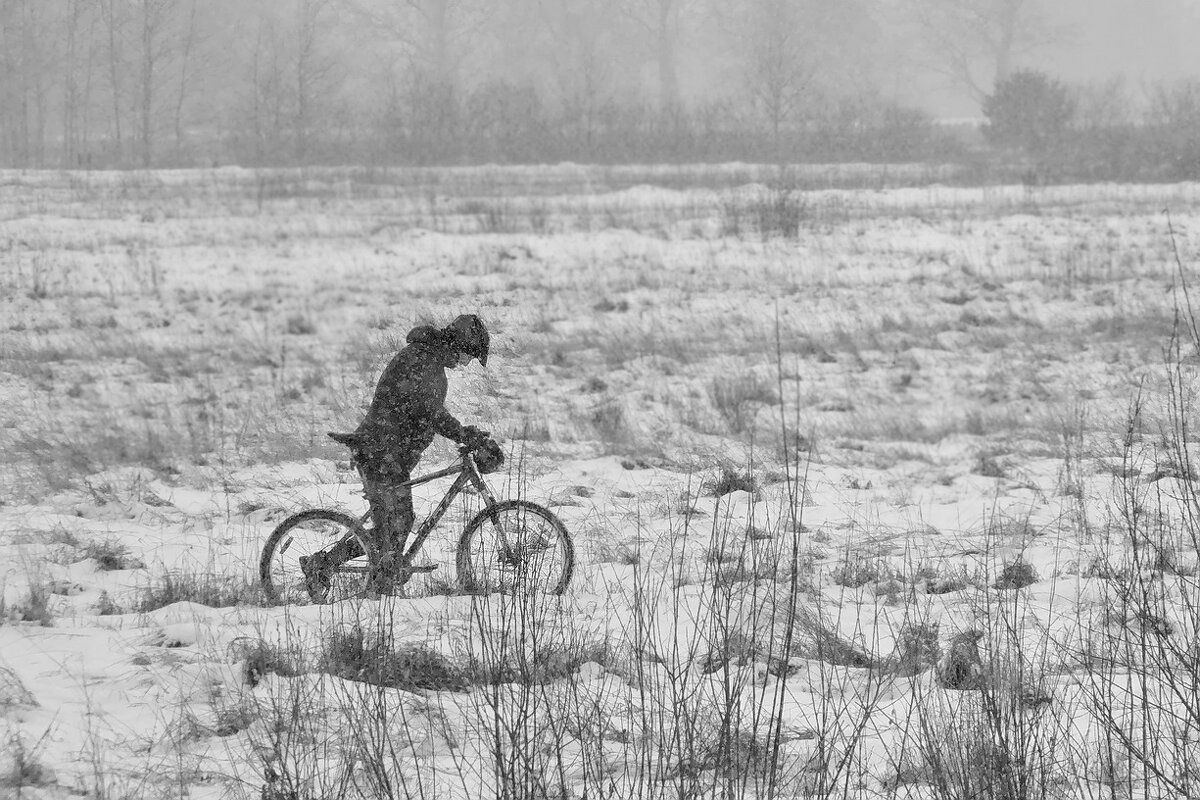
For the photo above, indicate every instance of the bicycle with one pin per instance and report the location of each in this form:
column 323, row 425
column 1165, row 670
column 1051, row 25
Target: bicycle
column 508, row 545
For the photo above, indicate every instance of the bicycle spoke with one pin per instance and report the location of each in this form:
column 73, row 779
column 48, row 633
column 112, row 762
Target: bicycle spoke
column 299, row 540
column 513, row 548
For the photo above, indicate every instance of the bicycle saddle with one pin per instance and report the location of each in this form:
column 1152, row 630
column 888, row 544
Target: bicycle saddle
column 348, row 439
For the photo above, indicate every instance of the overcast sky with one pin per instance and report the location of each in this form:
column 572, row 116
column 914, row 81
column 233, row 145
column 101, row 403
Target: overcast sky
column 1147, row 38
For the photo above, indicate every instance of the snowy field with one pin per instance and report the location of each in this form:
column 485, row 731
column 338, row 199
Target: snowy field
column 875, row 492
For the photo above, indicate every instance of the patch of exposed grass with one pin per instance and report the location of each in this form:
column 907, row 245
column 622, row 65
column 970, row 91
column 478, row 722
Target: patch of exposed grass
column 23, row 766
column 12, row 691
column 1016, row 575
column 609, row 421
column 439, row 586
column 111, row 554
column 234, row 718
column 542, row 664
column 858, row 571
column 989, row 465
column 33, row 607
column 617, row 553
column 917, row 648
column 207, row 589
column 106, row 606
column 260, row 658
column 300, row 325
column 353, row 655
column 772, row 212
column 738, row 398
column 833, row 648
column 731, row 480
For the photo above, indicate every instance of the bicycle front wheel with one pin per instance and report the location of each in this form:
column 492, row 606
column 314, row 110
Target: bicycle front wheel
column 515, row 545
column 302, row 536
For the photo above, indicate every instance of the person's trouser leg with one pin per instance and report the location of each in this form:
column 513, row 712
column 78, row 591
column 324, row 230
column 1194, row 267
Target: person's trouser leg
column 392, row 512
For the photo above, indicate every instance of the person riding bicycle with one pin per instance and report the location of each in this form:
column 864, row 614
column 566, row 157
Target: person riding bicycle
column 408, row 409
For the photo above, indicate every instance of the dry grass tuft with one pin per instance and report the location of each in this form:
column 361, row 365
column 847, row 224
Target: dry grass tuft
column 207, row 589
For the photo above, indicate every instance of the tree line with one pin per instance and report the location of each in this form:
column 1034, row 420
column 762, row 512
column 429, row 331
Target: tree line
column 160, row 83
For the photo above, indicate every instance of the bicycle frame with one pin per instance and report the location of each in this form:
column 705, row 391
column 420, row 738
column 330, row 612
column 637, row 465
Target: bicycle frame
column 468, row 473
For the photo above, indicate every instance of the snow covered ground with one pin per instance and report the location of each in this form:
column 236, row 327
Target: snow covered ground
column 852, row 507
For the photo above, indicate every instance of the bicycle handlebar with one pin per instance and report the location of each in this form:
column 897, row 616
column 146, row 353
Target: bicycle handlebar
column 485, row 453
column 478, row 439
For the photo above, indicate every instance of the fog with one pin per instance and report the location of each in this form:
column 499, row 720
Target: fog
column 1152, row 39
column 187, row 82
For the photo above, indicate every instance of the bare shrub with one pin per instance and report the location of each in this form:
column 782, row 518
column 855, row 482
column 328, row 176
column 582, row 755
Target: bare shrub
column 987, row 729
column 738, row 398
column 775, row 211
column 535, row 734
column 291, row 736
column 990, row 745
column 1141, row 663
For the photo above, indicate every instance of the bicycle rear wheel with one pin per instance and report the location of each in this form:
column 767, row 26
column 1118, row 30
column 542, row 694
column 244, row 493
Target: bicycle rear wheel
column 515, row 545
column 307, row 534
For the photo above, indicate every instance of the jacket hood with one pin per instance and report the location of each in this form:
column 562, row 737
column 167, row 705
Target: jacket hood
column 426, row 335
column 434, row 342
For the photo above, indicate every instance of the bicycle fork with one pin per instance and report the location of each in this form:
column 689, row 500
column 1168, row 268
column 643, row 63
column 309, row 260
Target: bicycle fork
column 489, row 505
column 411, row 544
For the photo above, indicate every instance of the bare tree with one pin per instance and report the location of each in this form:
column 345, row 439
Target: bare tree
column 792, row 54
column 976, row 43
column 313, row 69
column 1103, row 104
column 153, row 48
column 664, row 23
column 290, row 73
column 80, row 48
column 578, row 40
column 267, row 86
column 115, row 21
column 26, row 56
column 779, row 63
column 436, row 35
column 190, row 38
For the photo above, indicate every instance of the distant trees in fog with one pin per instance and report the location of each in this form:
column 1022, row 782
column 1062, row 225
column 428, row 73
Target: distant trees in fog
column 123, row 83
column 1029, row 110
column 1055, row 130
column 976, row 43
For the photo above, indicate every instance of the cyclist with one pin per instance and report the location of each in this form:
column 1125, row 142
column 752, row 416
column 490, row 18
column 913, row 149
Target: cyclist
column 407, row 410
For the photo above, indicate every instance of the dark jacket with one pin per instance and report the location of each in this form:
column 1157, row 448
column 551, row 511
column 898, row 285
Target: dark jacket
column 408, row 408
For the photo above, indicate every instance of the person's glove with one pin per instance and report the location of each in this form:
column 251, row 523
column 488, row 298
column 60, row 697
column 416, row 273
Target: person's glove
column 489, row 457
column 473, row 437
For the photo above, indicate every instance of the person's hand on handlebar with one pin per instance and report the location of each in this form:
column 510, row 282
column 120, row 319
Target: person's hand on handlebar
column 487, row 454
column 473, row 437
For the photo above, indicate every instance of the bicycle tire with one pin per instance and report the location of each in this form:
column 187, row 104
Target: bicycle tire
column 272, row 574
column 479, row 577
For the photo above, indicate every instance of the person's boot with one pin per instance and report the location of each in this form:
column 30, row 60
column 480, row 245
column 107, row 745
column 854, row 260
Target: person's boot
column 383, row 577
column 316, row 576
